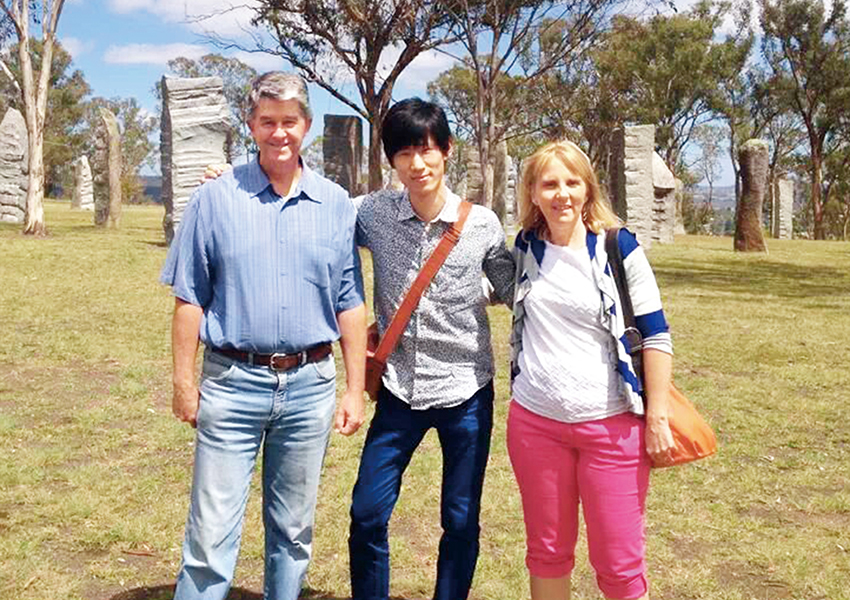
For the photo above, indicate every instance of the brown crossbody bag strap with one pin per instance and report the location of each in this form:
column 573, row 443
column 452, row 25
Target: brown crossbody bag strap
column 411, row 300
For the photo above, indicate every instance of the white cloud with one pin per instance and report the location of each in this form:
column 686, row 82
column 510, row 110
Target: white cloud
column 262, row 61
column 76, row 47
column 225, row 18
column 425, row 68
column 151, row 54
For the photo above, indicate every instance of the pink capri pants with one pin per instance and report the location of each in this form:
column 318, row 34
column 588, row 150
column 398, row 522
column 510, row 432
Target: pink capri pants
column 602, row 464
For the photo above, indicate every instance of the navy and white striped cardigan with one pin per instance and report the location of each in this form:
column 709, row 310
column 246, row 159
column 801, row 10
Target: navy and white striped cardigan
column 528, row 254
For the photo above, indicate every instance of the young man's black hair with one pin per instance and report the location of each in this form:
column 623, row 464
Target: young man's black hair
column 411, row 122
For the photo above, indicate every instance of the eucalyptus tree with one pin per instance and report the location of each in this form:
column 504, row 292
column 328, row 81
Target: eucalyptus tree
column 807, row 51
column 511, row 46
column 666, row 70
column 66, row 93
column 34, row 83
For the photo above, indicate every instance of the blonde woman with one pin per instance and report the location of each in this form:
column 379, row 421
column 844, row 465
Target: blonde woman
column 578, row 432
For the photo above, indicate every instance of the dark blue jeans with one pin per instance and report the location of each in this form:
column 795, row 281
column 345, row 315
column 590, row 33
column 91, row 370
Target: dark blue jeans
column 395, row 433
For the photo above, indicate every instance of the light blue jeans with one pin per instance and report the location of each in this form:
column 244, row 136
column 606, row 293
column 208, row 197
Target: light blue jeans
column 243, row 407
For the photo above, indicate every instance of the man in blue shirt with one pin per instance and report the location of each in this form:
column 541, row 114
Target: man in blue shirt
column 265, row 273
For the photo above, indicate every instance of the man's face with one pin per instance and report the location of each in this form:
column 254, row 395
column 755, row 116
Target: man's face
column 278, row 127
column 421, row 168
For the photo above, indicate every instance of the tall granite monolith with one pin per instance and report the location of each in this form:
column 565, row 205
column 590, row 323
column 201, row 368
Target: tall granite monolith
column 679, row 228
column 782, row 214
column 753, row 156
column 632, row 190
column 511, row 211
column 342, row 151
column 83, row 198
column 107, row 171
column 664, row 207
column 195, row 124
column 14, row 153
column 474, row 178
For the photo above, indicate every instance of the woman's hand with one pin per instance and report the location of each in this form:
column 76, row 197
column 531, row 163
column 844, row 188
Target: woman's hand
column 659, row 438
column 657, row 369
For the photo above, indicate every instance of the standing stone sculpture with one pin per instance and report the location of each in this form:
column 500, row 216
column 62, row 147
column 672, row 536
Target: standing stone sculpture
column 195, row 124
column 753, row 157
column 664, row 208
column 107, row 171
column 342, row 151
column 83, row 188
column 511, row 215
column 632, row 190
column 782, row 213
column 474, row 178
column 679, row 228
column 13, row 167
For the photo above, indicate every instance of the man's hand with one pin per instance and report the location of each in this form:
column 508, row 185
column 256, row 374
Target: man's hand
column 350, row 413
column 185, row 325
column 185, row 403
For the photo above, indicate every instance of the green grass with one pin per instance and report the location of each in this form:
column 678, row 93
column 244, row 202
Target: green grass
column 96, row 472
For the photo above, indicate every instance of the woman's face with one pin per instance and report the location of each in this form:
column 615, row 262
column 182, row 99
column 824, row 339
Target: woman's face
column 560, row 194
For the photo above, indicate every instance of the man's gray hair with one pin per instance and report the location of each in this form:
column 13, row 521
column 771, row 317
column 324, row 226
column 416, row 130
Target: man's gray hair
column 277, row 85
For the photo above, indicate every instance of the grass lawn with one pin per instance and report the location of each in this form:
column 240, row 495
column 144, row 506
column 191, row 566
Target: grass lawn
column 96, row 472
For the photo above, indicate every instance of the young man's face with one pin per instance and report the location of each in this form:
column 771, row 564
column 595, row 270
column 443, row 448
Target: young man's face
column 278, row 127
column 421, row 168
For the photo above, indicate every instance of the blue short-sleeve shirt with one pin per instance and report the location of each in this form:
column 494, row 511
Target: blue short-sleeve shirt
column 271, row 274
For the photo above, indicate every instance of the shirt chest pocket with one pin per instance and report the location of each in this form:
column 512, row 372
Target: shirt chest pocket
column 320, row 265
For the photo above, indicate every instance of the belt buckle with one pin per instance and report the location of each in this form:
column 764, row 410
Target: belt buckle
column 272, row 359
column 302, row 360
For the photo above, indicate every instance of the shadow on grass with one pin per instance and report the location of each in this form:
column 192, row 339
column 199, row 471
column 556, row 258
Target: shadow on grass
column 764, row 276
column 166, row 592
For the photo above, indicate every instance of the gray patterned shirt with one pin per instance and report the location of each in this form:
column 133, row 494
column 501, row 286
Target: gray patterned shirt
column 444, row 355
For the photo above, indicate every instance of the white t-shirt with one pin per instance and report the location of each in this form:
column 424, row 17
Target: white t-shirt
column 568, row 359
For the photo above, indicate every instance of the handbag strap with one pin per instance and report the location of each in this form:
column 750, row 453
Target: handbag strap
column 429, row 269
column 618, row 273
column 621, row 282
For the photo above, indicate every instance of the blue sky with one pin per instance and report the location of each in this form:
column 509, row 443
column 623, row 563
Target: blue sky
column 122, row 47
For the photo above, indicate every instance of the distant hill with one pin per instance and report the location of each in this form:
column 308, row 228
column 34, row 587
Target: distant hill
column 722, row 196
column 153, row 187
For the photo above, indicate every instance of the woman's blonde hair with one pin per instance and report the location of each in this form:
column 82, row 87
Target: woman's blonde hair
column 596, row 214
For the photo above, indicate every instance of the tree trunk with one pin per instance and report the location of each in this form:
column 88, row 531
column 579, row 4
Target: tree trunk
column 34, row 224
column 376, row 173
column 817, row 203
column 35, row 107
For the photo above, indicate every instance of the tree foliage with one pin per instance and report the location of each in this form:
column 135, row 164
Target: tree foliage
column 666, row 70
column 510, row 46
column 63, row 140
column 22, row 14
column 332, row 42
column 807, row 50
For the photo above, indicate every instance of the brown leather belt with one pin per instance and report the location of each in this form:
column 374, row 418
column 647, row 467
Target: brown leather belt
column 279, row 362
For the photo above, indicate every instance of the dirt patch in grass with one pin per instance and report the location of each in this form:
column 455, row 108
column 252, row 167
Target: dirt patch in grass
column 751, row 580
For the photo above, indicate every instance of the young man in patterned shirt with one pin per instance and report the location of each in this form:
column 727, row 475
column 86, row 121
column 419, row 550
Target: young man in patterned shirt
column 440, row 374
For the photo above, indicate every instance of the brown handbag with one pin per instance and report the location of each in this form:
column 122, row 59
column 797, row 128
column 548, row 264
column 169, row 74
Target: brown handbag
column 693, row 437
column 378, row 351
